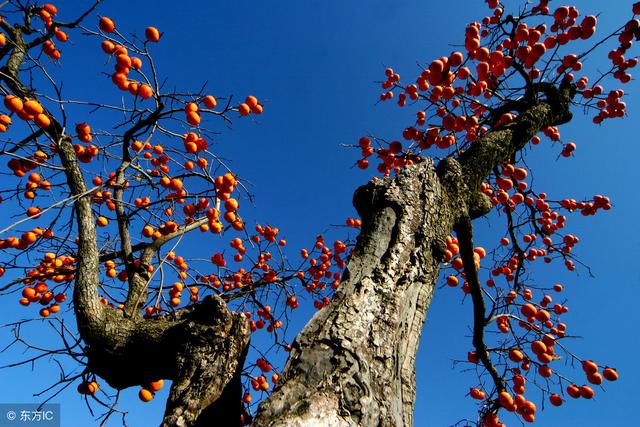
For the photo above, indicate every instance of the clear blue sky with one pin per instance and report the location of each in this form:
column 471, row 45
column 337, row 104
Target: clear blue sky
column 314, row 63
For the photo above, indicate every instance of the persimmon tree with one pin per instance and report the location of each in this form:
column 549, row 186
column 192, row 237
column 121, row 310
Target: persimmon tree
column 102, row 212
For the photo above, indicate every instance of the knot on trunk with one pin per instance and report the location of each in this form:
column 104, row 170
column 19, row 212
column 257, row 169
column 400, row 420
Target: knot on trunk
column 367, row 198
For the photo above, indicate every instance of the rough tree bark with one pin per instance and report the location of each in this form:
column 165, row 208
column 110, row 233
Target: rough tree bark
column 354, row 362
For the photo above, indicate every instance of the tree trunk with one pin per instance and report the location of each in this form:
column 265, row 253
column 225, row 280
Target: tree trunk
column 354, row 363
